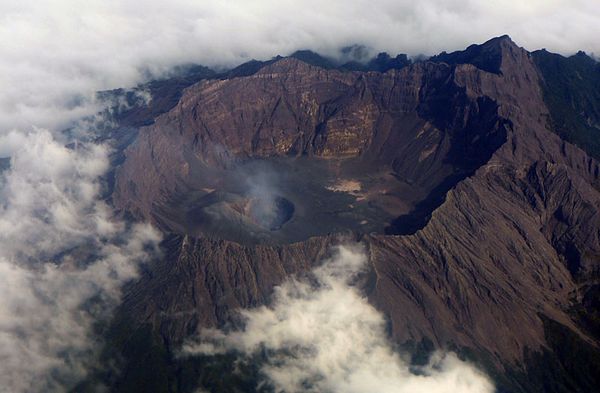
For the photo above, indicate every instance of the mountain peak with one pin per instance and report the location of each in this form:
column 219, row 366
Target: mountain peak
column 489, row 56
column 500, row 39
column 313, row 58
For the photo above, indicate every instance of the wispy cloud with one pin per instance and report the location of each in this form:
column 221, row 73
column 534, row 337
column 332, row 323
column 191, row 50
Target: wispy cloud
column 47, row 313
column 322, row 335
column 63, row 259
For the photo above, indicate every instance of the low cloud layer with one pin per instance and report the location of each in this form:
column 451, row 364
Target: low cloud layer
column 48, row 197
column 47, row 313
column 63, row 259
column 323, row 336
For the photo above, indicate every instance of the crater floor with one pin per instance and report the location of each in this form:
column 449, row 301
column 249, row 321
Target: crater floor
column 283, row 200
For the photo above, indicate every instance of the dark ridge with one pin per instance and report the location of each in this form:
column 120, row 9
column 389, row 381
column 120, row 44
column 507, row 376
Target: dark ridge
column 473, row 145
column 571, row 87
column 486, row 56
column 137, row 358
column 381, row 63
column 355, row 52
column 249, row 68
column 253, row 66
column 417, row 219
column 587, row 313
column 571, row 366
column 313, row 58
column 384, row 62
column 164, row 93
column 567, row 365
column 4, row 163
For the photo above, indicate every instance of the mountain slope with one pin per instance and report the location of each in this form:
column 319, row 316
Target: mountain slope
column 492, row 241
column 572, row 92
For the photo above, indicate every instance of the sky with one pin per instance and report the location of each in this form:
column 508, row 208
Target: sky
column 54, row 56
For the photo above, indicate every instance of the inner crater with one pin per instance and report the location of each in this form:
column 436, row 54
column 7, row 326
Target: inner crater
column 285, row 200
column 271, row 212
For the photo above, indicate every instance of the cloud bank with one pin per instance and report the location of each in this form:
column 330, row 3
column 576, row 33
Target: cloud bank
column 60, row 246
column 55, row 54
column 63, row 259
column 47, row 314
column 323, row 336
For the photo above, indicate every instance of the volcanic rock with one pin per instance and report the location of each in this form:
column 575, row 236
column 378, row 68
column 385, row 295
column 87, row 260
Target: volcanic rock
column 492, row 236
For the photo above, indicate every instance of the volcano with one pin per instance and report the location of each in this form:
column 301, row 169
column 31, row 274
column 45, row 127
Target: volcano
column 478, row 211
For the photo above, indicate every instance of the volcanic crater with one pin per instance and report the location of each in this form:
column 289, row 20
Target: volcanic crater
column 295, row 151
column 494, row 218
column 284, row 200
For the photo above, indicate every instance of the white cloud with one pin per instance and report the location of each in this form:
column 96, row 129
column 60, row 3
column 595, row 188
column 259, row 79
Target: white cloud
column 55, row 54
column 47, row 313
column 50, row 297
column 325, row 335
column 48, row 197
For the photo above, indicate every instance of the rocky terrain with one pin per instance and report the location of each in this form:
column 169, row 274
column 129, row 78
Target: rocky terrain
column 480, row 221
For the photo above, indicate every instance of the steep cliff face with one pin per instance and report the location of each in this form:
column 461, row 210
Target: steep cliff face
column 572, row 92
column 498, row 240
